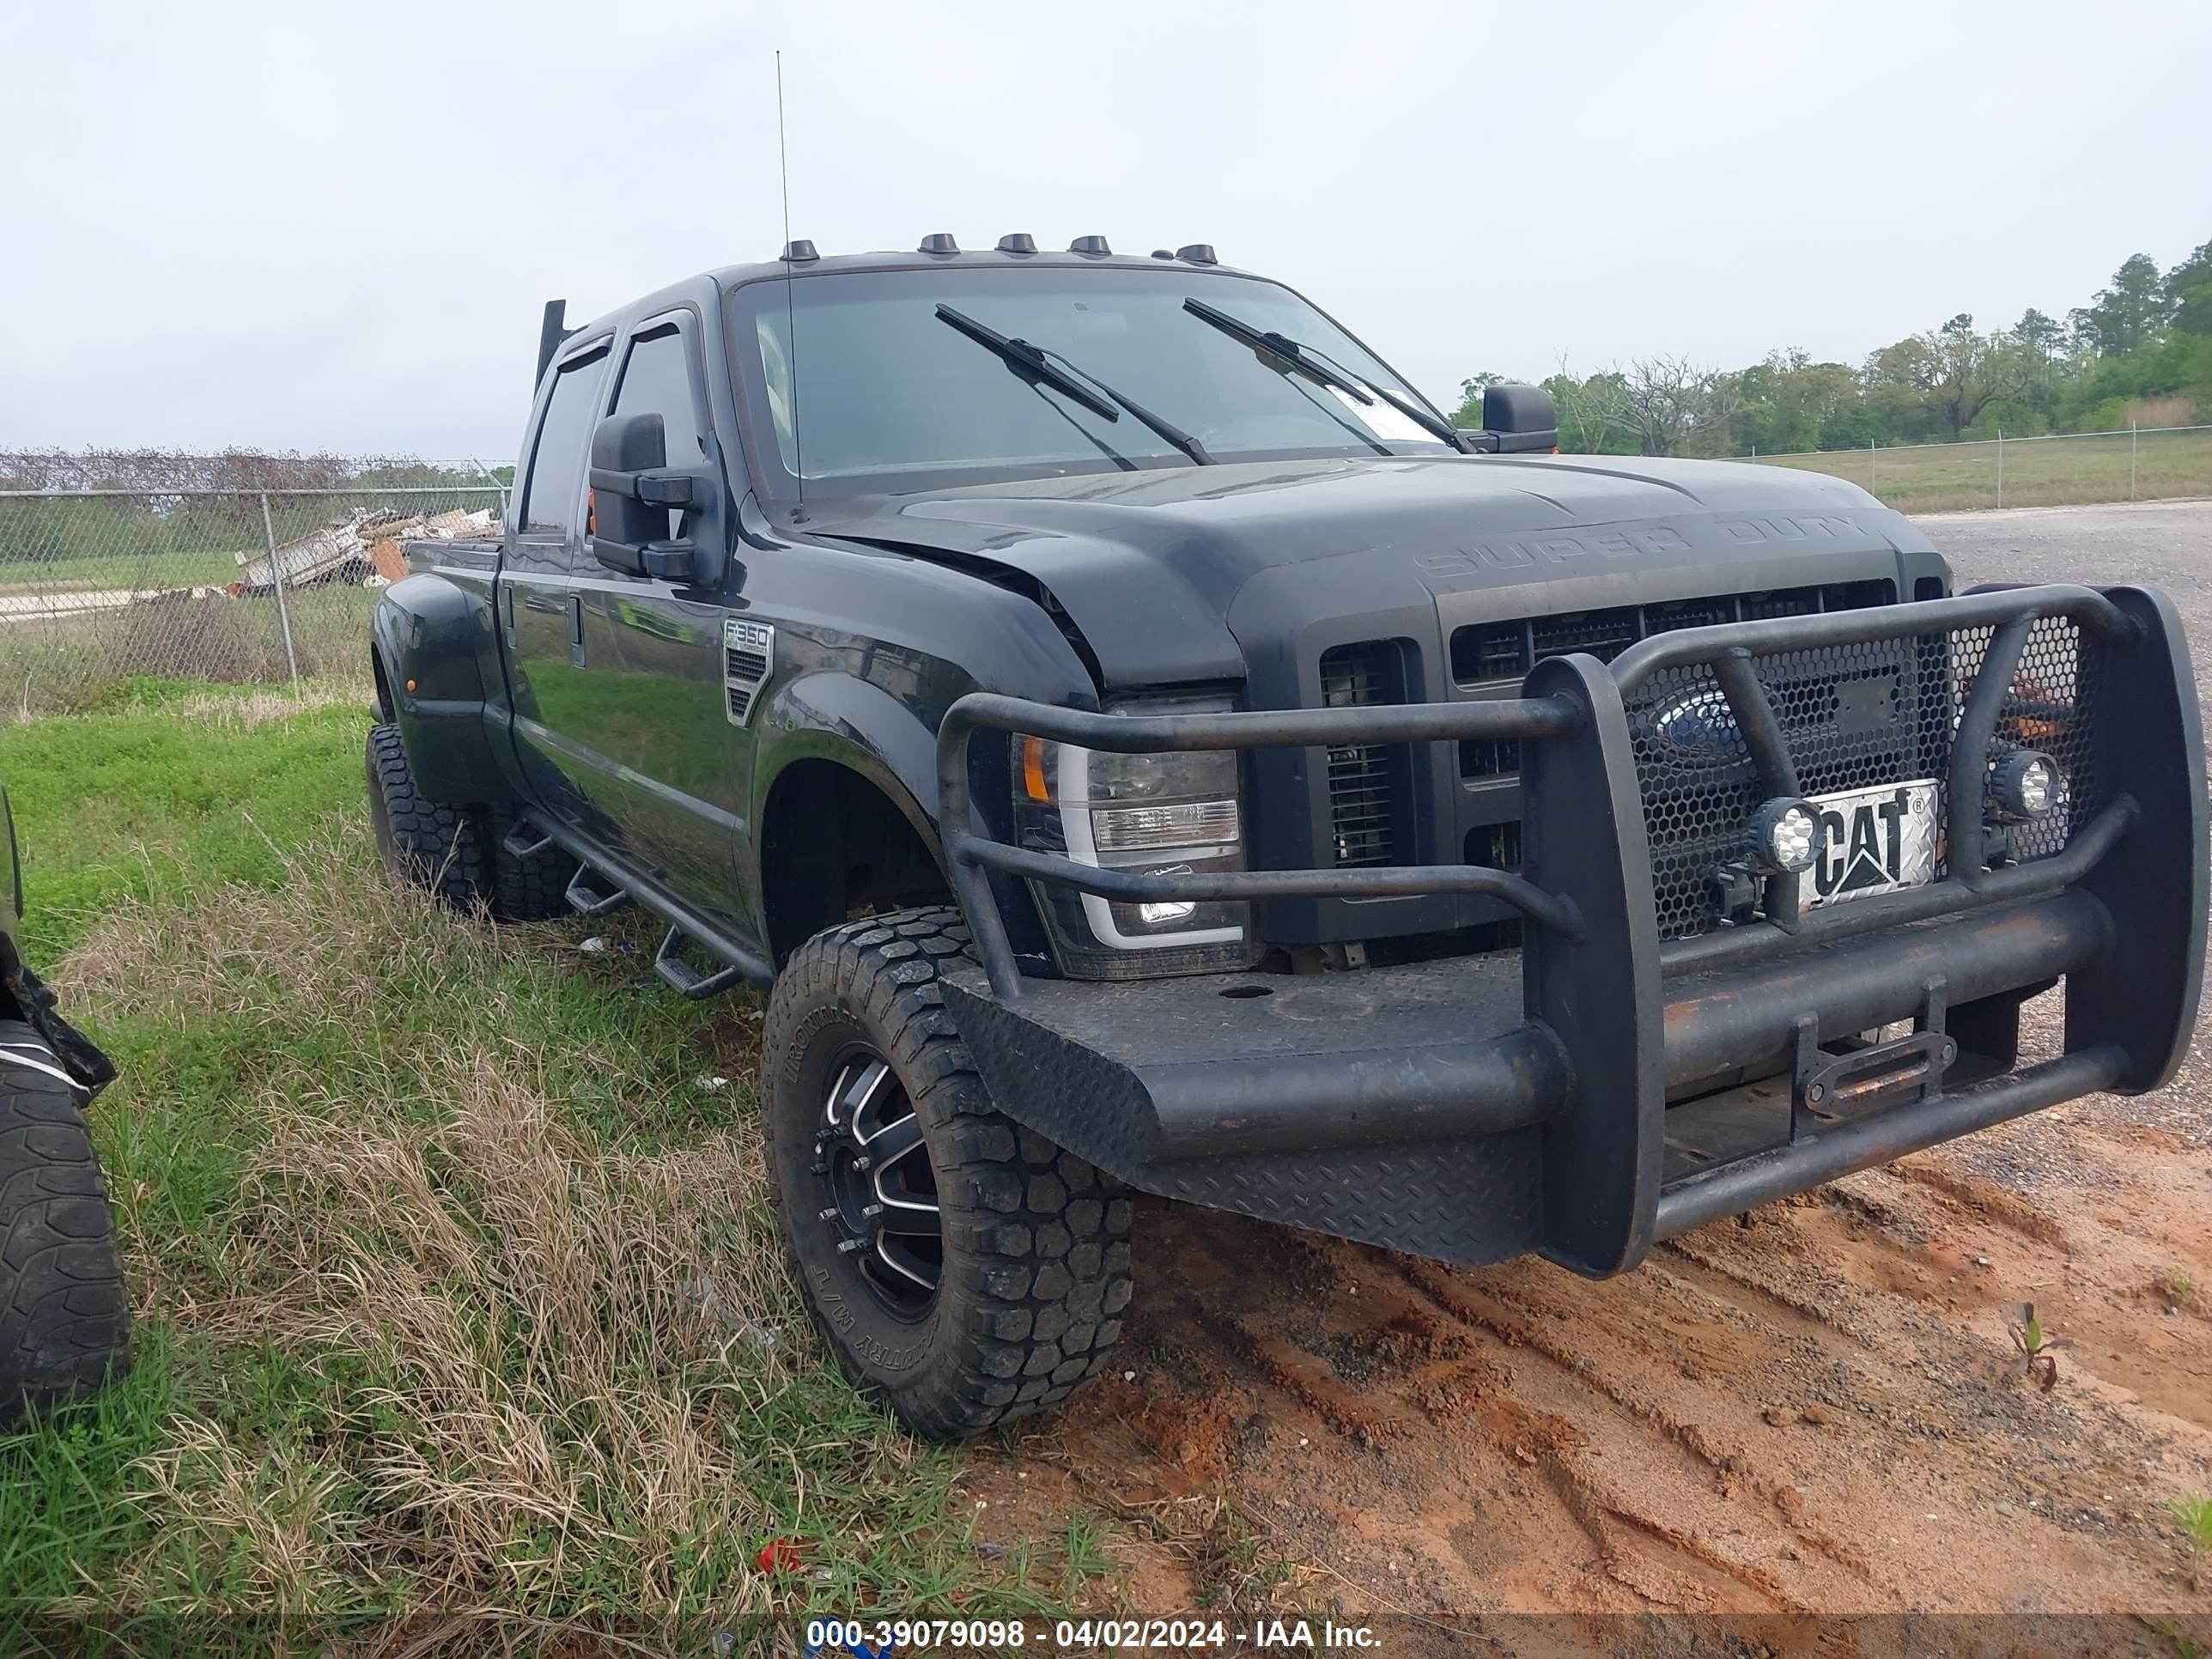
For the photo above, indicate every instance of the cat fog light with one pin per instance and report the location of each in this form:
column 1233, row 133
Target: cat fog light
column 1785, row 837
column 2024, row 786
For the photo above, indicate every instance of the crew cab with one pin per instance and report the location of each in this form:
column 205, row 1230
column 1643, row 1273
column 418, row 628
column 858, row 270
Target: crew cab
column 1145, row 744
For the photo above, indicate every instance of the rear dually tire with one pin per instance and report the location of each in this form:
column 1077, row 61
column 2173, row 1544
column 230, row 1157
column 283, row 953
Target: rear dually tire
column 458, row 853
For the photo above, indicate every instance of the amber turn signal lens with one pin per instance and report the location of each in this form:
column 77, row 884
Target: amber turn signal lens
column 1033, row 770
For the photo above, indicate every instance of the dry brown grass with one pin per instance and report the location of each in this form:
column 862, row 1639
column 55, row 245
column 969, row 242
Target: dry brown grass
column 546, row 1372
column 251, row 710
column 60, row 663
column 555, row 1378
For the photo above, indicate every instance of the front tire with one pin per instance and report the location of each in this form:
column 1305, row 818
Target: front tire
column 64, row 1317
column 965, row 1268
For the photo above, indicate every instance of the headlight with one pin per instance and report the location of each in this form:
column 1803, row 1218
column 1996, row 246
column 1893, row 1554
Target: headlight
column 2024, row 786
column 1174, row 814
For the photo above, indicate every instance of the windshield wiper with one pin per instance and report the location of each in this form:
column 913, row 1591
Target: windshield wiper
column 1040, row 364
column 1316, row 365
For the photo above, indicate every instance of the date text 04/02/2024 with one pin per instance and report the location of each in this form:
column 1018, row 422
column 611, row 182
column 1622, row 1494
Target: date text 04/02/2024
column 879, row 1639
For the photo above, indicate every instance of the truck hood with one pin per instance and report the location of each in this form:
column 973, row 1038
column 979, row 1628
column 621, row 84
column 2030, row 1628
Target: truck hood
column 1183, row 574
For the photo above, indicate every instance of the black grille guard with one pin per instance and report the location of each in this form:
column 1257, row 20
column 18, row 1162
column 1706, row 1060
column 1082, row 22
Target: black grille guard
column 1541, row 1120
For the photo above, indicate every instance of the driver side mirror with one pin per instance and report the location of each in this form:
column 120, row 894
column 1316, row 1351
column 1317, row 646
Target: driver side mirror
column 632, row 495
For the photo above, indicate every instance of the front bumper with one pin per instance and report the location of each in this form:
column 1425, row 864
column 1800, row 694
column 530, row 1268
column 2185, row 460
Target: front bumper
column 1610, row 1086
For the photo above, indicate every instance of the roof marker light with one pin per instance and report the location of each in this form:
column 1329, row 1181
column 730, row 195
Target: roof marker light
column 1093, row 245
column 1019, row 241
column 939, row 242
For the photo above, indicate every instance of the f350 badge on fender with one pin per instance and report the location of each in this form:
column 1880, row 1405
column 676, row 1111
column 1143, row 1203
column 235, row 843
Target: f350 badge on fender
column 748, row 658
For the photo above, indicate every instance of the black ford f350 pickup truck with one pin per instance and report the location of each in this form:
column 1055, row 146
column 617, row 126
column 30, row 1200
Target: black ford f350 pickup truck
column 1145, row 745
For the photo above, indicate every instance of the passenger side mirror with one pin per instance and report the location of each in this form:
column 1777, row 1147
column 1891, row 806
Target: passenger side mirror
column 632, row 494
column 1524, row 417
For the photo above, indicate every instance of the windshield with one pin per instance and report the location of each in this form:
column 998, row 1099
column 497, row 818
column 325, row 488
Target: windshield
column 890, row 397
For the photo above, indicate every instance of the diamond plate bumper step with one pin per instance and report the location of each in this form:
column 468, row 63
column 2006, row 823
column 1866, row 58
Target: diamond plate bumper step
column 589, row 901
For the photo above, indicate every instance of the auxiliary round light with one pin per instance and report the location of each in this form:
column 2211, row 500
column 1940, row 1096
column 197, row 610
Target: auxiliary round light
column 1785, row 837
column 2024, row 785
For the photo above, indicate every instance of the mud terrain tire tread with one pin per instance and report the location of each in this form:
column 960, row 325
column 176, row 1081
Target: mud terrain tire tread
column 425, row 843
column 1036, row 1273
column 533, row 889
column 65, row 1314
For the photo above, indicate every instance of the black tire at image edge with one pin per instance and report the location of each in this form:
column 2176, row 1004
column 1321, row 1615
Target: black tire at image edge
column 64, row 1314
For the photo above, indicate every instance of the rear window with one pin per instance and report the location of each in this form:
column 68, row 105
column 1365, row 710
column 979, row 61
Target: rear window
column 553, row 501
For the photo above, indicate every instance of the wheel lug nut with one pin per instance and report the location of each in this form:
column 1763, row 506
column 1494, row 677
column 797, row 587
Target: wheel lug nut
column 850, row 1245
column 863, row 1162
column 829, row 1214
column 871, row 1211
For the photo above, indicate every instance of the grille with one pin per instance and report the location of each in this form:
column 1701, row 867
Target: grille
column 1488, row 757
column 1364, row 779
column 1854, row 716
column 742, row 673
column 1496, row 846
column 1507, row 650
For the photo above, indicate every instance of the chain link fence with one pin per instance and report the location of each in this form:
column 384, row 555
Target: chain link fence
column 274, row 583
column 246, row 568
column 2070, row 468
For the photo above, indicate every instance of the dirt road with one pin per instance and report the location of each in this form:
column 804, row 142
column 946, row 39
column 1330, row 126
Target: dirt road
column 1810, row 1411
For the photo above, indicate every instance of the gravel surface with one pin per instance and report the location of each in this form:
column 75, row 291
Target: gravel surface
column 2164, row 544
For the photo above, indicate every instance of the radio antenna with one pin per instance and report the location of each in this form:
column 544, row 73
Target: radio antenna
column 790, row 312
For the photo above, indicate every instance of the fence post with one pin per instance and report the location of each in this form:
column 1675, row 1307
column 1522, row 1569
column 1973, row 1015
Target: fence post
column 492, row 478
column 2000, row 466
column 1871, row 490
column 2131, row 458
column 276, row 575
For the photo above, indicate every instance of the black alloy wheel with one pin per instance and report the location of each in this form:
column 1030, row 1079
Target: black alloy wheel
column 879, row 1196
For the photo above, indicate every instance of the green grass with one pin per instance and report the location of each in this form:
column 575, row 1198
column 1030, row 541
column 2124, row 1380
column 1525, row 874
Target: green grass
column 456, row 1289
column 2194, row 1517
column 196, row 567
column 2038, row 472
column 165, row 788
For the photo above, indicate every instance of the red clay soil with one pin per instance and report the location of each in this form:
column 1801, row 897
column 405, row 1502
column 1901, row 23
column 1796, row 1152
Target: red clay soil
column 1811, row 1409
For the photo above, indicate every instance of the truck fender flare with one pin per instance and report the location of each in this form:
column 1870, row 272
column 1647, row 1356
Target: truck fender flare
column 862, row 727
column 423, row 638
column 424, row 631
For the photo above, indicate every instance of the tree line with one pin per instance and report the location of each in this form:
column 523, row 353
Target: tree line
column 2141, row 350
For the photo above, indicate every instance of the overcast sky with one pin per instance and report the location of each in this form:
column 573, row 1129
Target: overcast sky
column 332, row 227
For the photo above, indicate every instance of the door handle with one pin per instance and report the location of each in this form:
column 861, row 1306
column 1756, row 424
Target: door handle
column 576, row 629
